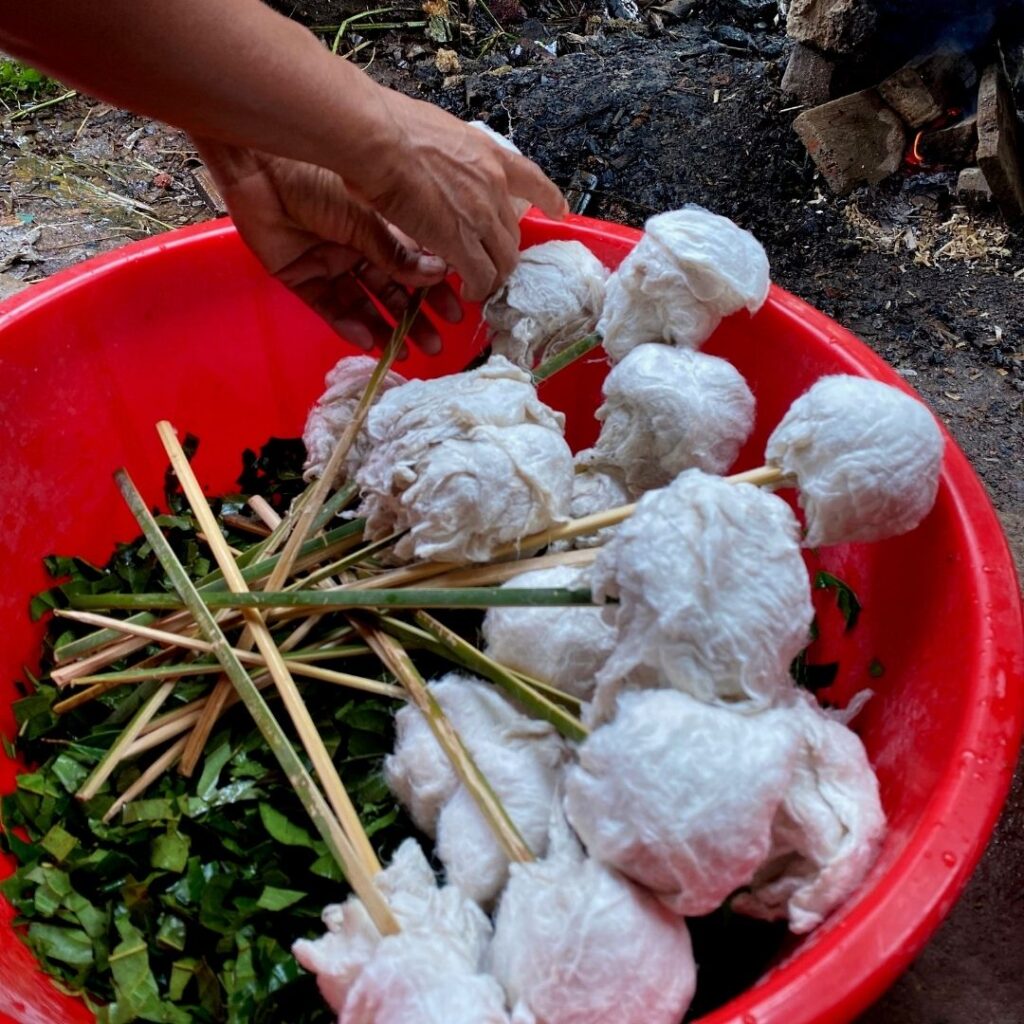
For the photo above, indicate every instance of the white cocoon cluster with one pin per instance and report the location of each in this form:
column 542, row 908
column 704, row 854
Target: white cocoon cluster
column 562, row 646
column 593, row 490
column 866, row 457
column 714, row 598
column 553, row 297
column 669, row 409
column 464, row 463
column 690, row 269
column 429, row 972
column 827, row 831
column 520, row 757
column 575, row 943
column 333, row 411
column 680, row 795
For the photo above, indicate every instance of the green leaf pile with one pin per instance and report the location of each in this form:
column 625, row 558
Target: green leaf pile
column 184, row 907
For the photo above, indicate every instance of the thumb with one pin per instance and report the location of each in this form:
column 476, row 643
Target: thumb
column 392, row 252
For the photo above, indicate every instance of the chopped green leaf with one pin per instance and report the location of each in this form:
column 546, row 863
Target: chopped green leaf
column 281, row 829
column 170, row 851
column 846, row 600
column 277, row 899
column 58, row 842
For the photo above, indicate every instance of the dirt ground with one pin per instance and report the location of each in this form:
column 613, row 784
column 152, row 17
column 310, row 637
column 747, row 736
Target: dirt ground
column 633, row 119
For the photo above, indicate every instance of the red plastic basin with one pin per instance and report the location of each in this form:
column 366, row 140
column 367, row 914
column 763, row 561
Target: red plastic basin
column 188, row 327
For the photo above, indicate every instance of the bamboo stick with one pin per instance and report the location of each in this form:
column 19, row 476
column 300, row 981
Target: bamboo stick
column 146, row 779
column 763, row 476
column 395, row 658
column 316, row 806
column 246, row 657
column 311, row 740
column 319, row 492
column 575, row 351
column 570, row 727
column 502, row 572
column 414, row 636
column 343, row 598
column 313, row 552
column 113, row 757
column 217, row 703
column 205, row 667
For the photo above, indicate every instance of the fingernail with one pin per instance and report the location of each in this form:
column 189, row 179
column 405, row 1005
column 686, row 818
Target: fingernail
column 355, row 331
column 431, row 265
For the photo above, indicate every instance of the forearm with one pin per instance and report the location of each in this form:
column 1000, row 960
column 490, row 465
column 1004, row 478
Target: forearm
column 230, row 70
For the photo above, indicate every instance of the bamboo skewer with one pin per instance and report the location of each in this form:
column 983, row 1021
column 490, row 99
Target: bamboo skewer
column 341, row 597
column 410, row 635
column 568, row 355
column 312, row 742
column 762, row 476
column 246, row 657
column 113, row 757
column 395, row 658
column 569, row 726
column 206, row 667
column 501, row 572
column 218, row 699
column 316, row 806
column 100, row 643
column 318, row 493
column 146, row 779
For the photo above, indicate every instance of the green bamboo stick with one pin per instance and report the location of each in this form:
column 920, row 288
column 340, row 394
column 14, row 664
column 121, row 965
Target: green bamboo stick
column 334, row 504
column 215, row 581
column 320, row 814
column 571, row 728
column 333, row 568
column 575, row 351
column 113, row 757
column 468, row 597
column 413, row 637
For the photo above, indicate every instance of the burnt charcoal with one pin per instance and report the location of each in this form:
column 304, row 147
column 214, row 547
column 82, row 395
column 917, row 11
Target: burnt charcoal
column 733, row 36
column 852, row 140
column 748, row 13
column 999, row 151
column 808, row 76
column 955, row 145
column 835, row 26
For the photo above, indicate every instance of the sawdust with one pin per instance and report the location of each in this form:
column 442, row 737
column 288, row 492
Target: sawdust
column 932, row 238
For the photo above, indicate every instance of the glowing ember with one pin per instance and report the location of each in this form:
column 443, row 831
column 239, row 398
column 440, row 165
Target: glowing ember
column 914, row 157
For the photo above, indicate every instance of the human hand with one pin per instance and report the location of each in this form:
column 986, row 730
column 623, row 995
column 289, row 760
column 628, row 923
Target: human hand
column 451, row 187
column 334, row 252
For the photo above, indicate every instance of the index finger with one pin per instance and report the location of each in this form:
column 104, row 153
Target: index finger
column 528, row 181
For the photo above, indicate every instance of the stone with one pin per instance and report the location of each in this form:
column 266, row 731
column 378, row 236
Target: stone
column 908, row 95
column 923, row 90
column 808, row 76
column 972, row 186
column 835, row 26
column 955, row 145
column 999, row 151
column 853, row 140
